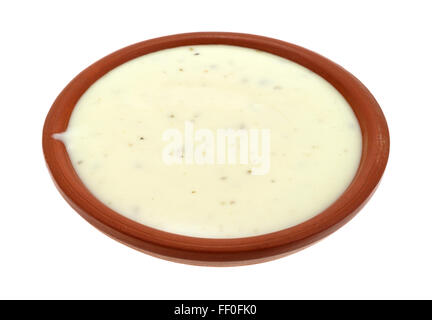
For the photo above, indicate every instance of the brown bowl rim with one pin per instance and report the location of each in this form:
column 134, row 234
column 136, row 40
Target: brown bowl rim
column 210, row 251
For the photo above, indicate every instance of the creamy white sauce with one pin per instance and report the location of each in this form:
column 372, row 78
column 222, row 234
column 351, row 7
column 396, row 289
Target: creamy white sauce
column 114, row 140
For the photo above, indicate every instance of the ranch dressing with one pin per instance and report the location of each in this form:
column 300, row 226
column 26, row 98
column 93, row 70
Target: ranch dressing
column 114, row 141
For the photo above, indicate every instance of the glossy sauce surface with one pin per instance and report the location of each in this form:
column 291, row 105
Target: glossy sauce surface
column 115, row 141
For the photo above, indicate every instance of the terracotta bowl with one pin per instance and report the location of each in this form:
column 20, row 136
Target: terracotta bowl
column 221, row 252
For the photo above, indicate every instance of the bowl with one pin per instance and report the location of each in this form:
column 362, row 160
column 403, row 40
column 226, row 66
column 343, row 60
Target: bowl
column 210, row 251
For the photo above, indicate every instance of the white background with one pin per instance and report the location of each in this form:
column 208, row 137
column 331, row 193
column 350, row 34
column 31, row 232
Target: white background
column 49, row 251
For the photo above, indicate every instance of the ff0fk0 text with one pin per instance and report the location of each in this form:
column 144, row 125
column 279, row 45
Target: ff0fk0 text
column 239, row 309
